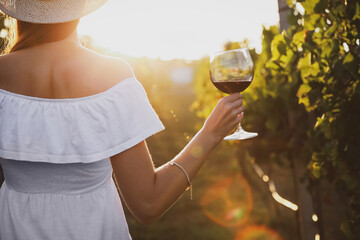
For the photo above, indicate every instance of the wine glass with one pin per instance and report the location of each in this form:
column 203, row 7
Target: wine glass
column 232, row 71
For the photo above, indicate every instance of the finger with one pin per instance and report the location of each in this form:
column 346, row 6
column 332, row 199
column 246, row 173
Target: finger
column 240, row 116
column 233, row 97
column 237, row 119
column 236, row 104
column 238, row 111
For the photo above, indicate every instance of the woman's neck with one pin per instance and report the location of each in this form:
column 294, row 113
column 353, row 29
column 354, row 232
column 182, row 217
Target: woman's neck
column 71, row 40
column 66, row 46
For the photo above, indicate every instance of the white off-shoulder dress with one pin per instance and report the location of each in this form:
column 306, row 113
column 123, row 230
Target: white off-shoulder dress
column 55, row 157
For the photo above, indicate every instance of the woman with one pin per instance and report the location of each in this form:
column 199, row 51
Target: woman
column 70, row 117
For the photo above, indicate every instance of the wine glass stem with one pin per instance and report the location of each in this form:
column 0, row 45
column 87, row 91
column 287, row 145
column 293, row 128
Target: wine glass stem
column 239, row 128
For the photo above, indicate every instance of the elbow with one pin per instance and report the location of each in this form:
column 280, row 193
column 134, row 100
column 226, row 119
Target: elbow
column 148, row 214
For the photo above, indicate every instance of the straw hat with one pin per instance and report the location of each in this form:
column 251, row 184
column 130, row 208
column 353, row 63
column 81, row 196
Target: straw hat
column 49, row 11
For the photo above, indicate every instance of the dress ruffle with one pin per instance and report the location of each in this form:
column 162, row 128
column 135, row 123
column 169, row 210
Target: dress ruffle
column 71, row 130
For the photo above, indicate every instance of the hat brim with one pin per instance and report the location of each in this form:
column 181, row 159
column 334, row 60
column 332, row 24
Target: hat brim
column 46, row 11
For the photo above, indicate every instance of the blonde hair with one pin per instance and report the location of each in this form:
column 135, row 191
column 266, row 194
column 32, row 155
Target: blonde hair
column 8, row 41
column 24, row 34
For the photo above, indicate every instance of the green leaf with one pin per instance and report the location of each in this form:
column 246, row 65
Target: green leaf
column 302, row 95
column 320, row 6
column 275, row 49
column 316, row 170
column 319, row 121
column 348, row 58
column 331, row 30
column 329, row 48
column 311, row 22
column 309, row 5
column 299, row 38
column 308, row 67
column 357, row 12
column 272, row 65
column 282, row 48
column 303, row 90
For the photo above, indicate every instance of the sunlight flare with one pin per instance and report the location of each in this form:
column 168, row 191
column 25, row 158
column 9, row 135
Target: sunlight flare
column 178, row 29
column 228, row 202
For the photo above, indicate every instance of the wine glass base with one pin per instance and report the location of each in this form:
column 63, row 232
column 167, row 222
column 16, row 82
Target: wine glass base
column 241, row 135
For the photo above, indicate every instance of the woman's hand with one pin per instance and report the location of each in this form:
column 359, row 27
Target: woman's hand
column 225, row 117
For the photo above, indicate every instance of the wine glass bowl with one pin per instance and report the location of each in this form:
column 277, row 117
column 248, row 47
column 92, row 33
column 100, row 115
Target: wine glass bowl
column 231, row 72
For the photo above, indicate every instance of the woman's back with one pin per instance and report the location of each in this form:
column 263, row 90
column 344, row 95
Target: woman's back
column 60, row 70
column 70, row 197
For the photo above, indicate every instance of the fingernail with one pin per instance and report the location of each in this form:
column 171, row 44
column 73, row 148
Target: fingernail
column 241, row 115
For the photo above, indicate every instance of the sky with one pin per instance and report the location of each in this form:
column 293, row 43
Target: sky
column 188, row 29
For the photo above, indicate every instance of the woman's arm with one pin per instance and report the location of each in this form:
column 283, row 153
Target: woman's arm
column 149, row 192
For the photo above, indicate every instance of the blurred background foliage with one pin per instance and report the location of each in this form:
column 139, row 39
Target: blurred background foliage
column 304, row 103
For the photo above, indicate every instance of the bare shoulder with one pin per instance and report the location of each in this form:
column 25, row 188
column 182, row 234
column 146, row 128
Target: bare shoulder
column 5, row 64
column 61, row 73
column 118, row 67
column 112, row 71
column 113, row 65
column 93, row 72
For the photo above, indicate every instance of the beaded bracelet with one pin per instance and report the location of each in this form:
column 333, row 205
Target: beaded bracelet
column 187, row 176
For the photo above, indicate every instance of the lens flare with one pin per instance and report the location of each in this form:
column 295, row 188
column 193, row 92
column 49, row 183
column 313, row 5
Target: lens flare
column 257, row 233
column 228, row 202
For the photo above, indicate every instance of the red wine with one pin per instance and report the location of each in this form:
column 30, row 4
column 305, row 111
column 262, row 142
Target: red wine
column 232, row 86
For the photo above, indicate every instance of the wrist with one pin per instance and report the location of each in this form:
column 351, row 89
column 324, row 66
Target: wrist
column 210, row 136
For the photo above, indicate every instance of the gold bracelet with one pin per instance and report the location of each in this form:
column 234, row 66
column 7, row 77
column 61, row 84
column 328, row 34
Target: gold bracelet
column 187, row 176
